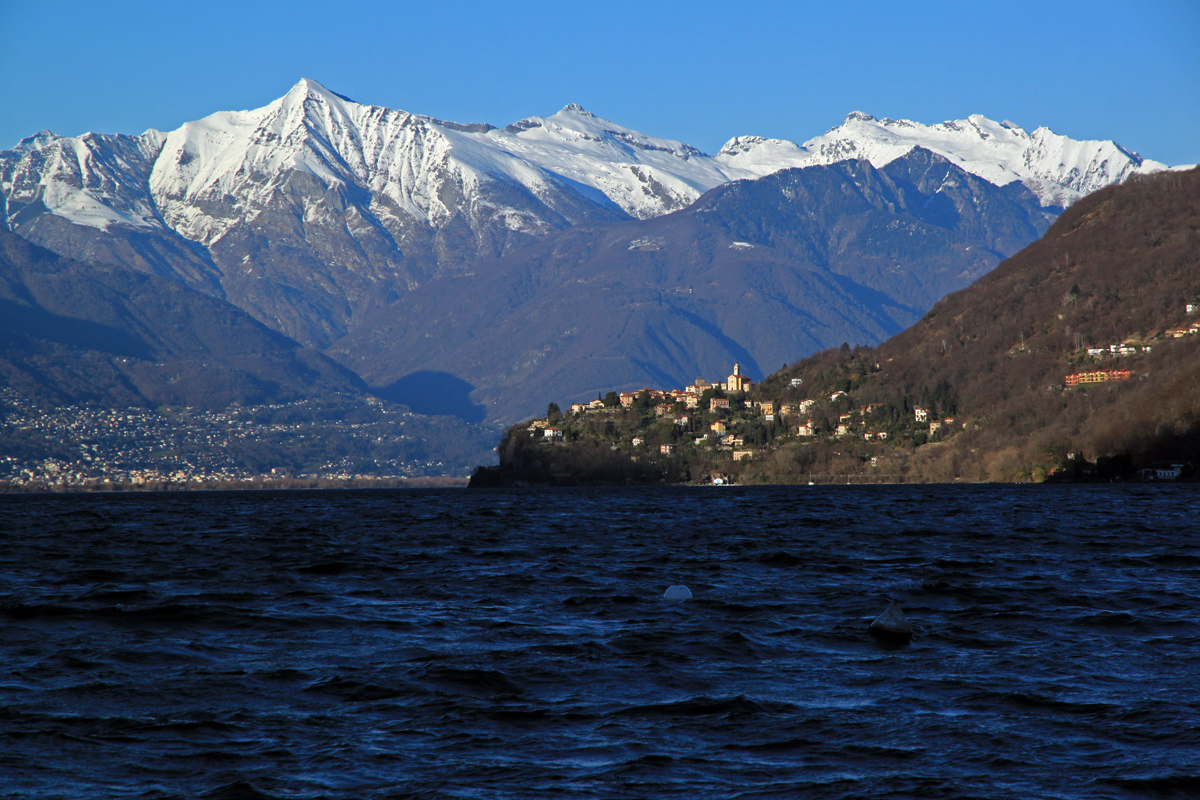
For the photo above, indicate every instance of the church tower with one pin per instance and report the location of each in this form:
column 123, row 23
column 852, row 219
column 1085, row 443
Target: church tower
column 737, row 381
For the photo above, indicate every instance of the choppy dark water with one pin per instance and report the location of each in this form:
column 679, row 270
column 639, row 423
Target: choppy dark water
column 514, row 644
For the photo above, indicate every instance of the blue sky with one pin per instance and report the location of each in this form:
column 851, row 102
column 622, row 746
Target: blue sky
column 698, row 71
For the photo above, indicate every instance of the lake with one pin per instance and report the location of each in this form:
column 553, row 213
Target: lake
column 516, row 643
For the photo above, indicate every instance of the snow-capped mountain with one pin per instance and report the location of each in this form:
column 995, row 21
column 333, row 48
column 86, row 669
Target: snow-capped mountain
column 1058, row 170
column 313, row 209
column 425, row 169
column 402, row 166
column 94, row 180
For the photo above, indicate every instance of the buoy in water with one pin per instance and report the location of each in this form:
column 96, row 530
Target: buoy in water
column 891, row 626
column 677, row 594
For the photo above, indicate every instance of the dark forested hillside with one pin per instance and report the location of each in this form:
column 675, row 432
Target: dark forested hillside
column 1108, row 287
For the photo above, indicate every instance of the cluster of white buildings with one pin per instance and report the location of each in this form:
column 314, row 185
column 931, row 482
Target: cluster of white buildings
column 1117, row 350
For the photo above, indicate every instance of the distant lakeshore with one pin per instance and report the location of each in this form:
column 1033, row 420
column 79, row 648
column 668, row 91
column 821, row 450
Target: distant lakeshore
column 264, row 484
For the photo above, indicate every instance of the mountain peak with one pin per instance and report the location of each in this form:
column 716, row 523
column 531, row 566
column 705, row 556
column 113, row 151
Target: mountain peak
column 859, row 116
column 36, row 142
column 578, row 110
column 739, row 145
column 307, row 87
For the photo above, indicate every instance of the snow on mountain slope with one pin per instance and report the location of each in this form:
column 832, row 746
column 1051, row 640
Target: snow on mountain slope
column 243, row 156
column 645, row 176
column 94, row 180
column 1058, row 170
column 428, row 169
column 405, row 166
column 531, row 177
column 422, row 167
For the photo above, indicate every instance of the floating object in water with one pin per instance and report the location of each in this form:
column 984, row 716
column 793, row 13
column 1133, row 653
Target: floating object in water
column 891, row 626
column 677, row 594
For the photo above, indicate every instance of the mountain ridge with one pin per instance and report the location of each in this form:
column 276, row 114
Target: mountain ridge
column 999, row 152
column 755, row 271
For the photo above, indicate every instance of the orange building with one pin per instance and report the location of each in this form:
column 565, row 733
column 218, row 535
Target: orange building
column 1098, row 376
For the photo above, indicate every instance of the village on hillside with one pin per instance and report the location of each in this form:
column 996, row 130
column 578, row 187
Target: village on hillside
column 710, row 431
column 734, row 429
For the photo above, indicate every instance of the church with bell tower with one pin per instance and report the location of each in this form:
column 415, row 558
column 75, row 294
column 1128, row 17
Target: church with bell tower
column 737, row 381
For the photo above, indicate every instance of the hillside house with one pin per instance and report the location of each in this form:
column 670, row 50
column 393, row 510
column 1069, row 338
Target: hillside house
column 921, row 414
column 843, row 430
column 578, row 408
column 682, row 421
column 637, row 441
column 1098, row 376
column 934, row 427
column 766, row 408
column 805, row 405
column 837, row 396
column 719, row 426
column 806, row 429
column 719, row 403
column 663, row 410
column 796, row 382
column 743, row 455
column 666, row 449
column 552, row 434
column 691, row 400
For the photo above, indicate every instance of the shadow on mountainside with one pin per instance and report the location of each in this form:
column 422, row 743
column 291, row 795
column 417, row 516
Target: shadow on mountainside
column 436, row 394
column 19, row 321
